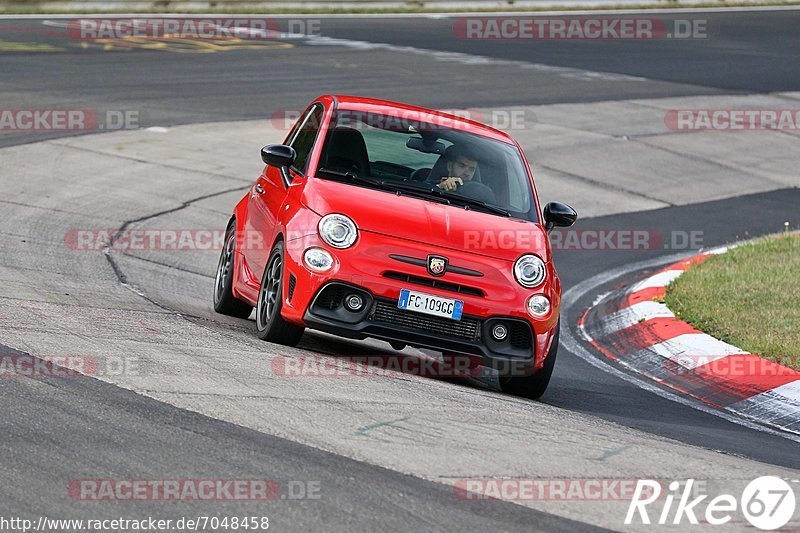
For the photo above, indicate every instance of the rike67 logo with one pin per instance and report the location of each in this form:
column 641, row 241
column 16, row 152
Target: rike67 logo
column 767, row 502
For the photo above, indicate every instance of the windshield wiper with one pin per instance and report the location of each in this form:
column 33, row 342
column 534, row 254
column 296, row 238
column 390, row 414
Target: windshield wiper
column 479, row 204
column 383, row 185
column 349, row 175
column 420, row 191
column 352, row 176
column 447, row 196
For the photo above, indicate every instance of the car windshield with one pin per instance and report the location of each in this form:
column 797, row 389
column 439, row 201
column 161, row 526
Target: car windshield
column 427, row 160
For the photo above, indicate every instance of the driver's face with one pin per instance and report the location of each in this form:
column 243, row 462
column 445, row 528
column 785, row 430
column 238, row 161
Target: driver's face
column 462, row 167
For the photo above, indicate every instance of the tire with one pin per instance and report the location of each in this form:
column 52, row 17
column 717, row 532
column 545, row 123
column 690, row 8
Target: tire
column 225, row 302
column 270, row 324
column 534, row 386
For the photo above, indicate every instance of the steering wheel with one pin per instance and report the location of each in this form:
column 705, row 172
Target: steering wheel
column 421, row 174
column 477, row 191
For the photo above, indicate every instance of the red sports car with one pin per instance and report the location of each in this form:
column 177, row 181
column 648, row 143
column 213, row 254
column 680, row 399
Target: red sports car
column 385, row 220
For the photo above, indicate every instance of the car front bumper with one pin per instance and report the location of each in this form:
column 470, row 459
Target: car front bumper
column 368, row 269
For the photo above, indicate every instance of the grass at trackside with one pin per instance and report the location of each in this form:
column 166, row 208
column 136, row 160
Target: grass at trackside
column 401, row 10
column 748, row 297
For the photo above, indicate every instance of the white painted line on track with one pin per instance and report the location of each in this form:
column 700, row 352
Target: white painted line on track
column 778, row 406
column 662, row 279
column 790, row 391
column 691, row 350
column 632, row 315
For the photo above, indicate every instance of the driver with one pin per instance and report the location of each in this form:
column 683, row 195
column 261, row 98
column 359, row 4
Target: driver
column 461, row 167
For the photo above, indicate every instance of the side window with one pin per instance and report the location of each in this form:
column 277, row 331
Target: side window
column 304, row 139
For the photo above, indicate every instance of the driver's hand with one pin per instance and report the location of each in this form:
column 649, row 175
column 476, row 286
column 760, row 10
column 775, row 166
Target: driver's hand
column 450, row 184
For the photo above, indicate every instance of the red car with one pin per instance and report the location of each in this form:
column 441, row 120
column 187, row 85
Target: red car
column 379, row 219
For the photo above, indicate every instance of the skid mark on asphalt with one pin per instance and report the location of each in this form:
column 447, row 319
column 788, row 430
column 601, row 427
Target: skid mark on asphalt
column 430, row 432
column 109, row 253
column 168, row 265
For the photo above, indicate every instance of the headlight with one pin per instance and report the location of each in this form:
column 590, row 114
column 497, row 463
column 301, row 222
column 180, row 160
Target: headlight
column 318, row 260
column 538, row 305
column 529, row 271
column 338, row 231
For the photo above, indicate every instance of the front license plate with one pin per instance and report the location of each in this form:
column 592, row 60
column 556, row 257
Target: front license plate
column 430, row 305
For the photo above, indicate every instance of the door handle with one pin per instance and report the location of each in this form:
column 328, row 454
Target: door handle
column 259, row 189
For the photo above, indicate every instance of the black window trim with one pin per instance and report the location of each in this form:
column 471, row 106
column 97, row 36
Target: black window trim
column 307, row 116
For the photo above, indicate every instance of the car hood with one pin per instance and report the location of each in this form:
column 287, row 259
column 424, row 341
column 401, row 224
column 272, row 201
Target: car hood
column 419, row 220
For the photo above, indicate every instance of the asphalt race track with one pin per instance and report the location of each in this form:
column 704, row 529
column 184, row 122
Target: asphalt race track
column 385, row 451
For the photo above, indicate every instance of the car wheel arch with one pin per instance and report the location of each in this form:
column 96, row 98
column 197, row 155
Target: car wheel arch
column 278, row 238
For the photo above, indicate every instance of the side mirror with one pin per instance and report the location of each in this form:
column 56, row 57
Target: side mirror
column 558, row 214
column 278, row 155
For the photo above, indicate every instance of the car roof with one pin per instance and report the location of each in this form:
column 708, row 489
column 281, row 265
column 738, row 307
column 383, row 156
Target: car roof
column 388, row 107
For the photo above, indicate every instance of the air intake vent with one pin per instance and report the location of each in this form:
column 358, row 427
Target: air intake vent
column 331, row 297
column 292, row 285
column 519, row 335
column 436, row 283
column 388, row 313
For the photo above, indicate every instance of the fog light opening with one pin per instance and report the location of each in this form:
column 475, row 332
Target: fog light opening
column 499, row 332
column 354, row 302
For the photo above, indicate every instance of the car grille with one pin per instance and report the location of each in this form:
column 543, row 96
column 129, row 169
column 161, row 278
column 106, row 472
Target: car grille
column 292, row 285
column 388, row 313
column 435, row 283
